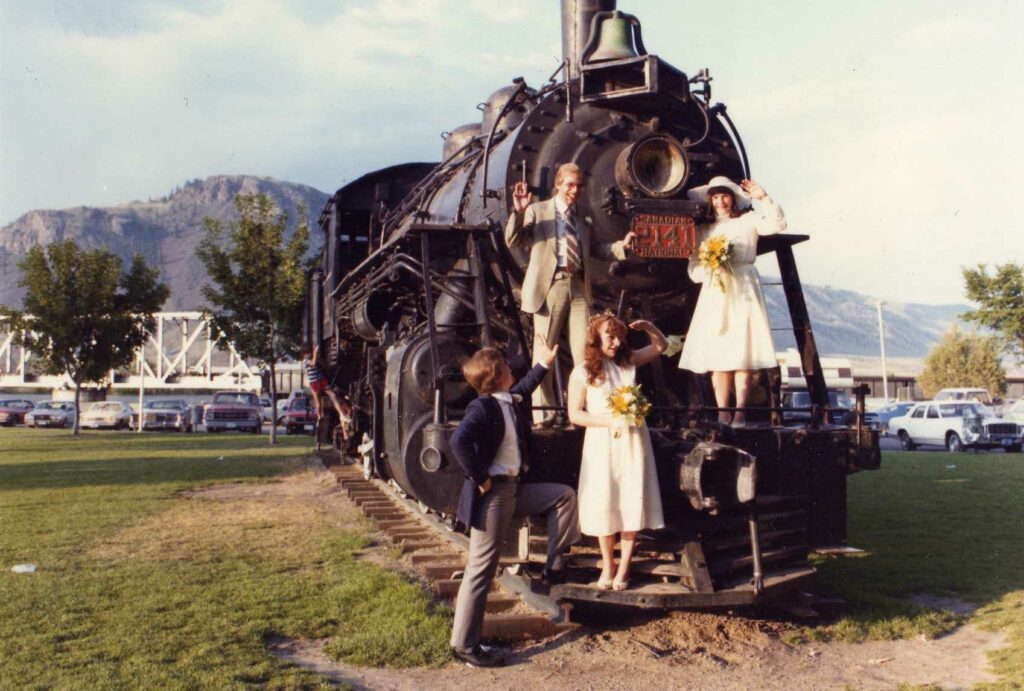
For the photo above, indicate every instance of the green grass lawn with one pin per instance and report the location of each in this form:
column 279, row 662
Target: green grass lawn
column 140, row 587
column 949, row 525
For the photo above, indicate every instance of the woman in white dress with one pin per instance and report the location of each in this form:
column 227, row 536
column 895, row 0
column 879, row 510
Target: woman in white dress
column 729, row 334
column 618, row 491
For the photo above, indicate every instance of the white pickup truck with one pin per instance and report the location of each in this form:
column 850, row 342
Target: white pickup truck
column 956, row 425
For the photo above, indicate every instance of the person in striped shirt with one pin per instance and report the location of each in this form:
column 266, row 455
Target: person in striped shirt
column 318, row 385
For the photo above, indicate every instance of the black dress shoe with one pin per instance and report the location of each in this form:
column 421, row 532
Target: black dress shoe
column 478, row 657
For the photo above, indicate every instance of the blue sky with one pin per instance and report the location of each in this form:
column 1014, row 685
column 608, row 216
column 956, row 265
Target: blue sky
column 887, row 130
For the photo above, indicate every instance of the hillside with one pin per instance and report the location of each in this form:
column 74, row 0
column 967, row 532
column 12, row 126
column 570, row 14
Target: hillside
column 165, row 231
column 846, row 322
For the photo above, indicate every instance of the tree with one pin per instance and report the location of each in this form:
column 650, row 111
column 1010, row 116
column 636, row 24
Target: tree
column 81, row 314
column 1001, row 302
column 961, row 359
column 260, row 282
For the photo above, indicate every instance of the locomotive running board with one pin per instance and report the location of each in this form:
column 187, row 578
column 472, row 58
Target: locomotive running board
column 677, row 596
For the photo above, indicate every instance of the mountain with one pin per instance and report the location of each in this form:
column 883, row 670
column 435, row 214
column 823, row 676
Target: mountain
column 846, row 323
column 165, row 231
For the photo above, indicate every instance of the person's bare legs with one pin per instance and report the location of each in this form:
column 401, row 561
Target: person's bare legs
column 722, row 384
column 342, row 414
column 607, row 544
column 316, row 403
column 744, row 379
column 625, row 559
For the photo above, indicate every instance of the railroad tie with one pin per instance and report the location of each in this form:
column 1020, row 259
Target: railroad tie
column 410, row 546
column 424, row 540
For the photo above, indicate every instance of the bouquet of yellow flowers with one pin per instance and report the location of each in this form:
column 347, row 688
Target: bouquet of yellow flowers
column 714, row 254
column 629, row 403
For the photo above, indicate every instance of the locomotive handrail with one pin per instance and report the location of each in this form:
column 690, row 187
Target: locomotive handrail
column 719, row 110
column 703, row 108
column 520, row 88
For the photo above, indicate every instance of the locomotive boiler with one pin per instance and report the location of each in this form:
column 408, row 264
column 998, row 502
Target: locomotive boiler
column 415, row 276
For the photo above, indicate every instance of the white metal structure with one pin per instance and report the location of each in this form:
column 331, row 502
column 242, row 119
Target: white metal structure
column 178, row 354
column 837, row 371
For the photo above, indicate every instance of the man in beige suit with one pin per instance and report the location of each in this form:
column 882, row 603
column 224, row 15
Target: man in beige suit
column 556, row 287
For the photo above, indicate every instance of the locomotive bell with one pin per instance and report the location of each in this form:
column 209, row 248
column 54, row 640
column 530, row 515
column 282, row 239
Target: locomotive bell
column 615, row 39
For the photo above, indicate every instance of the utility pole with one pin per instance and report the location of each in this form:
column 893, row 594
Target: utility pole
column 881, row 342
column 142, row 385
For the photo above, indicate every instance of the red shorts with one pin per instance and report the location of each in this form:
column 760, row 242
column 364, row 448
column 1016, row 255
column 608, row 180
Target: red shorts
column 318, row 386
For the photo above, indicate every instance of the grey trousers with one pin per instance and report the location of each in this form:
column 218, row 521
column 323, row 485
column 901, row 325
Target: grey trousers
column 493, row 516
column 566, row 303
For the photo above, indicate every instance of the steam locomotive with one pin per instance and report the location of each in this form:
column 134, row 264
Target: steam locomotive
column 415, row 277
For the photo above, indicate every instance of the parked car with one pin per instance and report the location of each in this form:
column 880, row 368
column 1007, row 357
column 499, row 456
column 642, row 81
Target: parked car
column 51, row 414
column 967, row 393
column 300, row 416
column 13, row 411
column 955, row 425
column 266, row 411
column 879, row 420
column 113, row 414
column 841, row 410
column 174, row 414
column 230, row 410
column 284, row 403
column 1014, row 411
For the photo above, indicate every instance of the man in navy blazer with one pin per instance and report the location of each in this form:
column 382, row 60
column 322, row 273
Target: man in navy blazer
column 492, row 446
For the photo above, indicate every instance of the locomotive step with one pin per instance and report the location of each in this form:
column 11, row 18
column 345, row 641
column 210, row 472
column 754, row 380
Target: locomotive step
column 734, row 592
column 733, row 541
column 718, row 566
column 653, row 567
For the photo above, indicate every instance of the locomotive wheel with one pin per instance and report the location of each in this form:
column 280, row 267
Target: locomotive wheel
column 953, row 443
column 906, row 443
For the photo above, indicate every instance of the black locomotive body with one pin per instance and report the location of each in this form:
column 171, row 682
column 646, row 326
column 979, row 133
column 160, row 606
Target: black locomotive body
column 415, row 277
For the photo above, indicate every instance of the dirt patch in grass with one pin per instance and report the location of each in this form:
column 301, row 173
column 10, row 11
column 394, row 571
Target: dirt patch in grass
column 232, row 516
column 684, row 650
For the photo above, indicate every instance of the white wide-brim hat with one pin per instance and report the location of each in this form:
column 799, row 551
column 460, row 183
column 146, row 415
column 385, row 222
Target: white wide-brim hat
column 700, row 194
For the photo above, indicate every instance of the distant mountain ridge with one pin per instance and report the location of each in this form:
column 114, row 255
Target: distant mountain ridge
column 166, row 232
column 846, row 323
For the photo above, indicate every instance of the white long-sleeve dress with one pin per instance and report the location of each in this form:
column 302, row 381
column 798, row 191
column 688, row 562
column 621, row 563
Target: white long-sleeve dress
column 729, row 330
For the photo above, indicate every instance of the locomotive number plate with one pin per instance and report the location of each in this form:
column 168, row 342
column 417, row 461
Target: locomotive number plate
column 663, row 237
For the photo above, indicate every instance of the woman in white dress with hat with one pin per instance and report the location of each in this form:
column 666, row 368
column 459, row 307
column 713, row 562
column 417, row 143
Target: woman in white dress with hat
column 729, row 335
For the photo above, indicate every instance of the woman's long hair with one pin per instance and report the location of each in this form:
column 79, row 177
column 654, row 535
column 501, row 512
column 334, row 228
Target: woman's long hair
column 593, row 358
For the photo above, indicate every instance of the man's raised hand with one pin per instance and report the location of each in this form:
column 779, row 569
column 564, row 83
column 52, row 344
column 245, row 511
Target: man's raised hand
column 520, row 197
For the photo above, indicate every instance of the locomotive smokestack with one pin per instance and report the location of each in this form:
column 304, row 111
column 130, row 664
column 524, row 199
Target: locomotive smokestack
column 576, row 18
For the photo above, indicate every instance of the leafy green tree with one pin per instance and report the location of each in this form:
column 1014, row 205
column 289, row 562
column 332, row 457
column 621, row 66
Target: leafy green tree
column 963, row 359
column 81, row 314
column 259, row 279
column 1000, row 298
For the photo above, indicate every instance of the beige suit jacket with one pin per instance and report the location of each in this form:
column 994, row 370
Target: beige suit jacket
column 537, row 228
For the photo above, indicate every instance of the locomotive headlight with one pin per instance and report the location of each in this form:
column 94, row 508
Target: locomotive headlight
column 655, row 167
